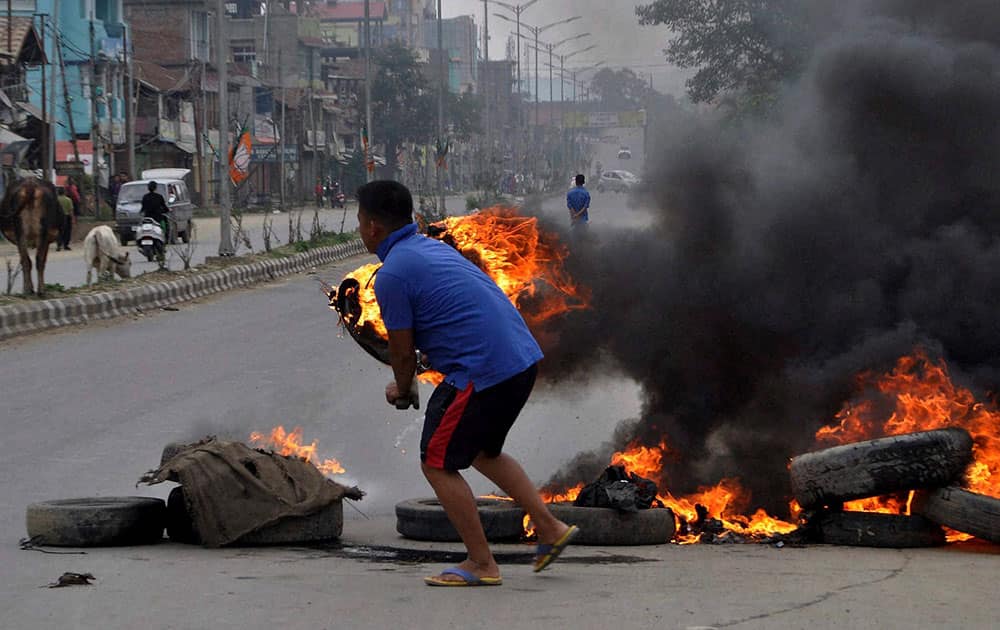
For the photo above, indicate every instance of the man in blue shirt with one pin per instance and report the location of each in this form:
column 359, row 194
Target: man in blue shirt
column 578, row 202
column 433, row 299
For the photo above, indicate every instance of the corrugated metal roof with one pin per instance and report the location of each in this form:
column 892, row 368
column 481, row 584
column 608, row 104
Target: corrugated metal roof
column 24, row 44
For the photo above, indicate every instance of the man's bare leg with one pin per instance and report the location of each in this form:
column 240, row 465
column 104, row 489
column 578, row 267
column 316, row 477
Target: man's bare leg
column 507, row 473
column 458, row 502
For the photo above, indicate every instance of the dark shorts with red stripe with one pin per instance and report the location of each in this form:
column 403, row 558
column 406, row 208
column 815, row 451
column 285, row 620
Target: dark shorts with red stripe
column 461, row 424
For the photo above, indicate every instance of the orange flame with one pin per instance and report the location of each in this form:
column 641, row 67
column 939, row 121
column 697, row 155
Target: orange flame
column 525, row 262
column 921, row 397
column 725, row 501
column 290, row 444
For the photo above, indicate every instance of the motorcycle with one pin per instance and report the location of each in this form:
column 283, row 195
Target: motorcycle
column 339, row 200
column 149, row 238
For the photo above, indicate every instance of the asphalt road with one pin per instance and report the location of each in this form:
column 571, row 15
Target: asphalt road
column 87, row 410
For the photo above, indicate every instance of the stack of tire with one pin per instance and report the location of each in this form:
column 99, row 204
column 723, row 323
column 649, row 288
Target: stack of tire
column 932, row 463
column 503, row 521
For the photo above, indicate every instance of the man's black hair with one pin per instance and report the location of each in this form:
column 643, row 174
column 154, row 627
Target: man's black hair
column 580, row 180
column 387, row 201
column 151, row 186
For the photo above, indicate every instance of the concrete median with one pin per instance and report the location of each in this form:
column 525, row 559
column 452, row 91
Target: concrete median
column 30, row 317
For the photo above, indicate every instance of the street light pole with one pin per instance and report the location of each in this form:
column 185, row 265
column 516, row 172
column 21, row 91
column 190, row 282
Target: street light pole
column 225, row 207
column 370, row 157
column 441, row 88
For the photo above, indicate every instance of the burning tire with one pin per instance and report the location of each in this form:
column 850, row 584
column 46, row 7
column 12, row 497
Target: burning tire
column 607, row 527
column 97, row 521
column 892, row 464
column 870, row 529
column 967, row 512
column 327, row 524
column 425, row 519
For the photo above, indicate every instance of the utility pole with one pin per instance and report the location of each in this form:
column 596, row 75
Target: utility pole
column 46, row 123
column 485, row 78
column 66, row 100
column 130, row 112
column 370, row 158
column 51, row 137
column 281, row 139
column 225, row 207
column 442, row 211
column 95, row 127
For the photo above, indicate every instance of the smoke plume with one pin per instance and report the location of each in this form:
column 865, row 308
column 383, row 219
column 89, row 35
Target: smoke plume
column 786, row 257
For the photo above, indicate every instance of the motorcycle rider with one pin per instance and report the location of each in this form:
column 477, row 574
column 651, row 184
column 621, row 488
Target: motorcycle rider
column 154, row 206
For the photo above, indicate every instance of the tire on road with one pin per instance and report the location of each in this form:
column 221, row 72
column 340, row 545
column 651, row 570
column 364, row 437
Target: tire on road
column 961, row 510
column 605, row 526
column 97, row 521
column 929, row 459
column 425, row 519
column 180, row 527
column 870, row 529
column 327, row 524
column 186, row 234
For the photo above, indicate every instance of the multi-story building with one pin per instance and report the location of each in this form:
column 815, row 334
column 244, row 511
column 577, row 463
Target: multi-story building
column 459, row 39
column 84, row 44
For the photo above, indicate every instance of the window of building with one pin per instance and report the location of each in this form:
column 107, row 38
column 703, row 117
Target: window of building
column 200, row 36
column 244, row 51
column 22, row 5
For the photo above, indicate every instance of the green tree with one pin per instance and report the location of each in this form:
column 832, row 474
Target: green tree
column 620, row 90
column 402, row 106
column 737, row 46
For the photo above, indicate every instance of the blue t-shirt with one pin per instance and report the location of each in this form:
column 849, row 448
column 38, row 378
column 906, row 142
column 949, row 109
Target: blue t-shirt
column 461, row 320
column 577, row 199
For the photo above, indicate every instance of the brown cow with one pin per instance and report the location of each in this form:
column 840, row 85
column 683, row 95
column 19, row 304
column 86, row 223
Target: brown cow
column 30, row 216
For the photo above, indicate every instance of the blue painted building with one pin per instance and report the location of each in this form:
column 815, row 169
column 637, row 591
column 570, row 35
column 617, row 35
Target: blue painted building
column 91, row 37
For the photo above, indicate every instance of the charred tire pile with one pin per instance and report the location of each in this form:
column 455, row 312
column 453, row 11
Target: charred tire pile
column 869, row 529
column 328, row 524
column 822, row 480
column 605, row 526
column 97, row 521
column 961, row 510
column 425, row 519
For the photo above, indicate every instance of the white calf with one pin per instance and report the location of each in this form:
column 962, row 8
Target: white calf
column 102, row 251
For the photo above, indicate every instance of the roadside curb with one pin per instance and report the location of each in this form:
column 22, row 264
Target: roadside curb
column 20, row 319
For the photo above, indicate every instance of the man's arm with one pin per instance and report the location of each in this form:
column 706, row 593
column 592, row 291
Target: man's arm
column 403, row 357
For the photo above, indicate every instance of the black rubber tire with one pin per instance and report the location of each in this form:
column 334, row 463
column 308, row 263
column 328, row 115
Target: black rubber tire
column 325, row 525
column 961, row 510
column 870, row 529
column 97, row 521
column 892, row 464
column 425, row 519
column 180, row 527
column 186, row 234
column 607, row 527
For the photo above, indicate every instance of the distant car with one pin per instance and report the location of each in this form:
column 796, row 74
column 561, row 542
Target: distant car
column 617, row 181
column 624, row 153
column 172, row 184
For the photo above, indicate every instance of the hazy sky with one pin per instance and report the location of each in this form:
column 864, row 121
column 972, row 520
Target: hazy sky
column 612, row 24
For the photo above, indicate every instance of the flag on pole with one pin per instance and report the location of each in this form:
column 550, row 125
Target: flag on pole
column 239, row 159
column 443, row 146
column 369, row 158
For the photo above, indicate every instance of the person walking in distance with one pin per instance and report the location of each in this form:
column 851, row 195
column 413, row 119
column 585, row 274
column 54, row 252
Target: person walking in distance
column 434, row 299
column 319, row 192
column 578, row 202
column 69, row 219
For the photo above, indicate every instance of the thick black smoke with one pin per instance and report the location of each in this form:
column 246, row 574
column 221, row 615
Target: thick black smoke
column 787, row 257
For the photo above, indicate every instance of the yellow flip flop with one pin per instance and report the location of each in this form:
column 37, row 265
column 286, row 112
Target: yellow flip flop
column 468, row 579
column 547, row 554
